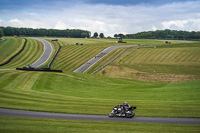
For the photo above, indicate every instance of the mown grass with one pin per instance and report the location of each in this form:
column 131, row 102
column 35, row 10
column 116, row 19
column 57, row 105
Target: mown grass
column 105, row 59
column 29, row 55
column 106, row 42
column 92, row 94
column 71, row 57
column 56, row 92
column 176, row 60
column 17, row 124
column 8, row 47
column 165, row 60
column 143, row 41
column 88, row 42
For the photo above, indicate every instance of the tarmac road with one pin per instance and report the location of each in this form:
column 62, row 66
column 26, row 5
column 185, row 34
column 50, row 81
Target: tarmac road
column 46, row 54
column 32, row 114
column 95, row 59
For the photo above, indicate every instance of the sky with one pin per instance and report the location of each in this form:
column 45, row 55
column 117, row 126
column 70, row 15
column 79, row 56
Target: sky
column 103, row 16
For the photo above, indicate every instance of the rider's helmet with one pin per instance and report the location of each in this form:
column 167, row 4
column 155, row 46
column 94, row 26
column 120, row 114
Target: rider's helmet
column 125, row 103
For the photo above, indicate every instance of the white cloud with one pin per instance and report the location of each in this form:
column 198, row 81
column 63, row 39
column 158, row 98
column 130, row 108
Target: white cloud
column 189, row 24
column 110, row 19
column 15, row 22
column 60, row 25
column 154, row 28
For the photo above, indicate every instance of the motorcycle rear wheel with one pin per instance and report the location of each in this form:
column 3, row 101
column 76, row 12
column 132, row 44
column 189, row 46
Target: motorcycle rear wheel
column 130, row 115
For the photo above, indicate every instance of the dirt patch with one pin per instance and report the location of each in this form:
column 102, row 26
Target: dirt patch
column 127, row 73
column 165, row 77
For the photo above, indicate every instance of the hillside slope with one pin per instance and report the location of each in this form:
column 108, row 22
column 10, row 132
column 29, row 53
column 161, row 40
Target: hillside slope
column 8, row 47
column 29, row 55
column 174, row 62
column 90, row 94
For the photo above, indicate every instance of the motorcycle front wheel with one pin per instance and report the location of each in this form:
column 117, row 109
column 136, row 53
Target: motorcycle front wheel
column 111, row 114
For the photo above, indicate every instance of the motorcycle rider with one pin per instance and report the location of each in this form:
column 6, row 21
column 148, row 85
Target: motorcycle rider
column 125, row 106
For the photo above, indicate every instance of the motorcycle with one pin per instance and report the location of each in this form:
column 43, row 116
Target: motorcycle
column 121, row 111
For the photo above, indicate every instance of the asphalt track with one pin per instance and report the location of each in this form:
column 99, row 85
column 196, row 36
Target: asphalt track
column 46, row 54
column 99, row 56
column 6, row 69
column 32, row 114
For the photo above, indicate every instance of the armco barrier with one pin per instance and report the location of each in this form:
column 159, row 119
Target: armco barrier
column 54, row 57
column 15, row 54
column 42, row 69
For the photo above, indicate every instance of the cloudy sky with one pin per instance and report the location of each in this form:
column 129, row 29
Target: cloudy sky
column 102, row 16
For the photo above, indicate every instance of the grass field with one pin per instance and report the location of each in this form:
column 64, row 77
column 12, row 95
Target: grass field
column 8, row 47
column 19, row 125
column 29, row 55
column 180, row 61
column 93, row 94
column 57, row 92
column 71, row 56
column 105, row 59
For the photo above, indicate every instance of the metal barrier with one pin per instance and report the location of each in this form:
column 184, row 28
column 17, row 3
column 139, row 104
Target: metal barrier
column 54, row 57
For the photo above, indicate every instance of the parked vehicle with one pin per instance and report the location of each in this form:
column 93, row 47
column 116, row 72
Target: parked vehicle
column 122, row 111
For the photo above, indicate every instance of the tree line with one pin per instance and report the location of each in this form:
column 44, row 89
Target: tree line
column 101, row 35
column 75, row 33
column 1, row 33
column 163, row 34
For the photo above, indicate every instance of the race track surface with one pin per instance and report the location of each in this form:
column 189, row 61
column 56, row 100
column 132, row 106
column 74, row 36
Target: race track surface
column 46, row 54
column 95, row 59
column 32, row 114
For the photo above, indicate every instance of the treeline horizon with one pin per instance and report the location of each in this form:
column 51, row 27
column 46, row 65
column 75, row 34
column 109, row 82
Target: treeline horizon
column 78, row 33
column 41, row 32
column 163, row 34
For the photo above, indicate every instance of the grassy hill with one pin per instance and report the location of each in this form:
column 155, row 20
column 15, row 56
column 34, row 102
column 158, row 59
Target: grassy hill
column 8, row 47
column 71, row 56
column 29, row 55
column 59, row 92
column 174, row 62
column 121, row 81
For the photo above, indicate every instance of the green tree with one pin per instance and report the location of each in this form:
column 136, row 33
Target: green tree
column 76, row 33
column 101, row 35
column 115, row 35
column 121, row 35
column 84, row 35
column 95, row 35
column 1, row 33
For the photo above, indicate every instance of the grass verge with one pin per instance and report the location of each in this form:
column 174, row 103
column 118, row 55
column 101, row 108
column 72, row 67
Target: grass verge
column 17, row 124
